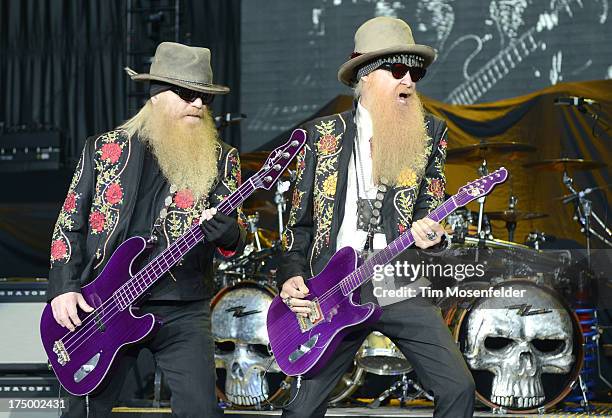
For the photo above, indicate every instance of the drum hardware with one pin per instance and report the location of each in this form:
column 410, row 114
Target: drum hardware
column 402, row 386
column 583, row 214
column 279, row 199
column 253, row 220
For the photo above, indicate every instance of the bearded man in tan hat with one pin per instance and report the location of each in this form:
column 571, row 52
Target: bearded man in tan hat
column 154, row 176
column 364, row 177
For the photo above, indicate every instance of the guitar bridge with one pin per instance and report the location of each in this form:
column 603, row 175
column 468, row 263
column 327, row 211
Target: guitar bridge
column 314, row 316
column 62, row 355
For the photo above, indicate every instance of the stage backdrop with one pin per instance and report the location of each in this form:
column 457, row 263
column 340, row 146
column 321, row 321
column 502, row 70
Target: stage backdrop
column 487, row 50
column 556, row 132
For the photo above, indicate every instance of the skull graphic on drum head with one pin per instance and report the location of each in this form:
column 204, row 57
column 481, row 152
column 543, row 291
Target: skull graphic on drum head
column 519, row 339
column 239, row 329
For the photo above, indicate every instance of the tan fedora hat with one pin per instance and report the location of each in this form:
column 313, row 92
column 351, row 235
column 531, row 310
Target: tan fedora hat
column 181, row 65
column 379, row 37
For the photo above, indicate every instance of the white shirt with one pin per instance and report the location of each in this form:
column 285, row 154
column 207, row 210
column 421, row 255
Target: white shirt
column 349, row 235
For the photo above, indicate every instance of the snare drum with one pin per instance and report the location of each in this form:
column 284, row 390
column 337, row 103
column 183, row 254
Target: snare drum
column 380, row 356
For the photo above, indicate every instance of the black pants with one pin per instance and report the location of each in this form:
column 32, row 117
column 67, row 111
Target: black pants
column 183, row 349
column 417, row 328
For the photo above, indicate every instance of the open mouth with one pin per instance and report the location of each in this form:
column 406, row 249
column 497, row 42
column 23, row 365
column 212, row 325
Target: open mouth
column 403, row 97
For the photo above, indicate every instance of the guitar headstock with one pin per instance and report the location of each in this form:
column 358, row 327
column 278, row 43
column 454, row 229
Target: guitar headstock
column 279, row 160
column 480, row 187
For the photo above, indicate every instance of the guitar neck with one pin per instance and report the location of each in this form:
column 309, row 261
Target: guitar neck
column 365, row 272
column 164, row 261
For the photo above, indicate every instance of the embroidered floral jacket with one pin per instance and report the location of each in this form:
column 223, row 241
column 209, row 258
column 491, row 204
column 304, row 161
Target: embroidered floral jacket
column 317, row 208
column 95, row 216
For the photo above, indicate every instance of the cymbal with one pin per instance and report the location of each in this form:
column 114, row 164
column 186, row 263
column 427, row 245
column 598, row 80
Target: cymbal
column 512, row 215
column 565, row 164
column 486, row 149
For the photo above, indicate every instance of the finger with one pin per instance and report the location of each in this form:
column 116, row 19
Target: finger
column 300, row 309
column 300, row 302
column 213, row 211
column 302, row 288
column 83, row 304
column 65, row 320
column 73, row 315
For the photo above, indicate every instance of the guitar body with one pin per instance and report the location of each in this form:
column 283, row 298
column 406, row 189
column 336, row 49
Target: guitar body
column 303, row 345
column 92, row 351
column 340, row 315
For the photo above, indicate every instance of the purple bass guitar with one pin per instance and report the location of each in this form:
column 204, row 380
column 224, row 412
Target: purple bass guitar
column 83, row 358
column 303, row 345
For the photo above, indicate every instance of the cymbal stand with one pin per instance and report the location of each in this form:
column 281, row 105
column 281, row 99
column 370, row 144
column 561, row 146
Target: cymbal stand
column 483, row 171
column 511, row 226
column 583, row 215
column 281, row 203
column 253, row 220
column 404, row 384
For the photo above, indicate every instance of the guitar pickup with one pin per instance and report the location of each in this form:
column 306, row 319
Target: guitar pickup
column 314, row 316
column 303, row 349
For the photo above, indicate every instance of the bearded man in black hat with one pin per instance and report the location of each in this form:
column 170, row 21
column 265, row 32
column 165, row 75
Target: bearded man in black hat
column 155, row 176
column 364, row 177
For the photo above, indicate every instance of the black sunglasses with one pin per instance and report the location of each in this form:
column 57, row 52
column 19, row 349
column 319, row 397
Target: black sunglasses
column 399, row 70
column 190, row 95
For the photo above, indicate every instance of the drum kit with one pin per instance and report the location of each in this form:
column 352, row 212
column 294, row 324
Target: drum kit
column 520, row 362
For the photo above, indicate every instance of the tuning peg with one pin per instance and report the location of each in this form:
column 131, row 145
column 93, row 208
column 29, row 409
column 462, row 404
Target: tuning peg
column 286, row 154
column 277, row 167
column 294, row 143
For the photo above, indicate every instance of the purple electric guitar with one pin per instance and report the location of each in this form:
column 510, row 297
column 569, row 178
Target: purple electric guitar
column 81, row 359
column 303, row 345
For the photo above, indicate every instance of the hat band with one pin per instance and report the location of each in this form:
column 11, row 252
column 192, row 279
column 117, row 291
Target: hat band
column 411, row 60
column 200, row 83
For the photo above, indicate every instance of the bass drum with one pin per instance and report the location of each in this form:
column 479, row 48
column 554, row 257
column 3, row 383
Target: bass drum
column 242, row 354
column 524, row 349
column 247, row 375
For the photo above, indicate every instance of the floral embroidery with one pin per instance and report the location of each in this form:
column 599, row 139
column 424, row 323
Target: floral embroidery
column 296, row 199
column 436, row 188
column 183, row 199
column 404, row 204
column 111, row 151
column 70, row 202
column 60, row 247
column 59, row 250
column 329, row 185
column 109, row 161
column 114, row 194
column 326, row 175
column 328, row 142
column 97, row 221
